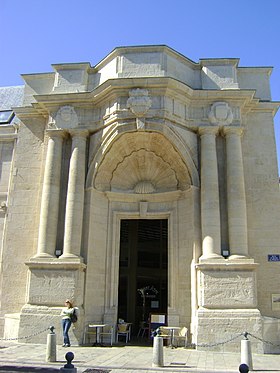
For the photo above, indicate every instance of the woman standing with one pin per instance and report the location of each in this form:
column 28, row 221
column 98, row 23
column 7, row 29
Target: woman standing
column 66, row 313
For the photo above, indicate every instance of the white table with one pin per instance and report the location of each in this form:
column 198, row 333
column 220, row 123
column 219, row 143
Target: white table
column 172, row 330
column 97, row 327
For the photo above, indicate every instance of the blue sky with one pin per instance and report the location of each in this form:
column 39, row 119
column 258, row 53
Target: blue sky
column 38, row 33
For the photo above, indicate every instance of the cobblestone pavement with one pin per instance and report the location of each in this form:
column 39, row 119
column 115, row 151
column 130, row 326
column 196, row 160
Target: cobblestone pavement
column 17, row 357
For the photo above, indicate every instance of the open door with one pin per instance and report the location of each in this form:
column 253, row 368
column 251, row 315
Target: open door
column 142, row 270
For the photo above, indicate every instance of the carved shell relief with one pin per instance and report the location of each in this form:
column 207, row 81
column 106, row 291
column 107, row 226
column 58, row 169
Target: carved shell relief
column 220, row 114
column 144, row 187
column 142, row 163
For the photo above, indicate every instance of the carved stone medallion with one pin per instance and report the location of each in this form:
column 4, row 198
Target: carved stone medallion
column 139, row 102
column 220, row 114
column 66, row 117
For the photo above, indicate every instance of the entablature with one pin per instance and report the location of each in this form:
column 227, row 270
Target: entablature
column 170, row 99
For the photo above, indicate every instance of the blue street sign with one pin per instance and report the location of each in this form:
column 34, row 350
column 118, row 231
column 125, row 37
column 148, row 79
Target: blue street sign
column 273, row 257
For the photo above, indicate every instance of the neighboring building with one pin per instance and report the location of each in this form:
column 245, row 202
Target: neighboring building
column 148, row 172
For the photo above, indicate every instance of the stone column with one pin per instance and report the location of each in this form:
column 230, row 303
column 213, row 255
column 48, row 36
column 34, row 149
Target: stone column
column 236, row 199
column 75, row 196
column 210, row 206
column 50, row 196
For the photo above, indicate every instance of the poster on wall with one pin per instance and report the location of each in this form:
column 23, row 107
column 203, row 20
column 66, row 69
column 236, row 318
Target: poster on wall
column 275, row 299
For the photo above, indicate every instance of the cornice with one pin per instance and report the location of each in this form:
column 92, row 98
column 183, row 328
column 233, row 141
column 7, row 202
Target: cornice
column 219, row 61
column 71, row 65
column 119, row 51
column 8, row 137
column 267, row 106
column 157, row 86
column 267, row 69
column 121, row 85
column 24, row 112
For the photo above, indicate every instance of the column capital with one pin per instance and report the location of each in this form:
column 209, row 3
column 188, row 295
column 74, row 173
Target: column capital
column 77, row 132
column 208, row 130
column 233, row 131
column 56, row 133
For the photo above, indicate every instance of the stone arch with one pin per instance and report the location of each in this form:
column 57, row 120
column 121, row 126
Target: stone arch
column 150, row 161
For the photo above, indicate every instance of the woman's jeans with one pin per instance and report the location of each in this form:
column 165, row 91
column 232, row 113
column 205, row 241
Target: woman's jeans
column 66, row 323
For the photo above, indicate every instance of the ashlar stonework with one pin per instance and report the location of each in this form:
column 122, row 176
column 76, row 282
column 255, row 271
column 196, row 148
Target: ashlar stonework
column 145, row 136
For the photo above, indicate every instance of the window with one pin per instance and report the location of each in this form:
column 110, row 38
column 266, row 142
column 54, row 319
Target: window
column 6, row 116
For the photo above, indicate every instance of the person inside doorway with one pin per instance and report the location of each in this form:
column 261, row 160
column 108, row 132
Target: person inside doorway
column 66, row 314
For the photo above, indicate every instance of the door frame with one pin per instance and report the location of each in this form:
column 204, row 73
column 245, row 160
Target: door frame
column 113, row 252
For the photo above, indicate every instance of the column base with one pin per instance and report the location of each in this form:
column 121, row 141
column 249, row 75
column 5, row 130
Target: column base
column 211, row 257
column 43, row 256
column 71, row 257
column 238, row 256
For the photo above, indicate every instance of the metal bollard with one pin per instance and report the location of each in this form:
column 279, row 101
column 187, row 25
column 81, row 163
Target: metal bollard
column 158, row 350
column 246, row 354
column 243, row 368
column 51, row 345
column 69, row 367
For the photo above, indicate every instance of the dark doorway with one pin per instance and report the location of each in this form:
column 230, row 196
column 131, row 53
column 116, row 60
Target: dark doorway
column 142, row 270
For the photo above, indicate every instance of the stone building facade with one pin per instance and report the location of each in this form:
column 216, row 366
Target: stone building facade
column 147, row 171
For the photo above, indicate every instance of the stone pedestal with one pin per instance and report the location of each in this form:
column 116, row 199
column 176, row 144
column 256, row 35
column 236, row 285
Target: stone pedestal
column 50, row 283
column 227, row 303
column 54, row 281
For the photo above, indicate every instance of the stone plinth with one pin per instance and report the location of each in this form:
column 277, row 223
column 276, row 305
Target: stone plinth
column 227, row 305
column 220, row 329
column 51, row 282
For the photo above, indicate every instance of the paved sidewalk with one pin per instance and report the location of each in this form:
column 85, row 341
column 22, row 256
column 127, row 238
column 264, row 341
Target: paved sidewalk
column 16, row 357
